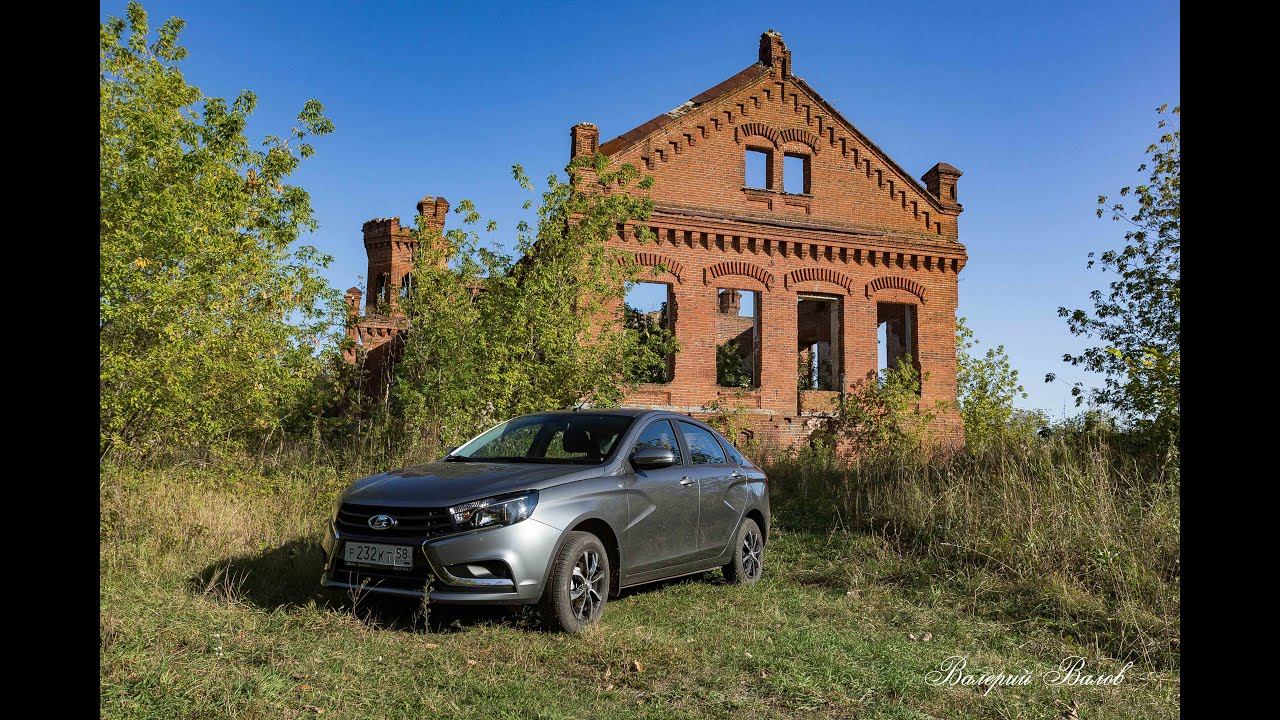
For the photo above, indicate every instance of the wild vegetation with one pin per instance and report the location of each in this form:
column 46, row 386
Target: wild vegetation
column 210, row 607
column 228, row 413
column 1139, row 319
column 209, row 314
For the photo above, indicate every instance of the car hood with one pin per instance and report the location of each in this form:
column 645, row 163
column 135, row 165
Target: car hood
column 440, row 484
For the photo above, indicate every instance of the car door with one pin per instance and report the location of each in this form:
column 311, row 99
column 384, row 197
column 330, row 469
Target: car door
column 662, row 507
column 716, row 474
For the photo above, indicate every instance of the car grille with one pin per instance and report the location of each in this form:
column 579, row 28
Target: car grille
column 410, row 522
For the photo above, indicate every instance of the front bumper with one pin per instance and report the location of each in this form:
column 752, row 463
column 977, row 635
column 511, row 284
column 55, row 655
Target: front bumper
column 524, row 548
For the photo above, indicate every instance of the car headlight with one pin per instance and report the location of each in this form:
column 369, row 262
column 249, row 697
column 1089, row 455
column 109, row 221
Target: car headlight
column 501, row 510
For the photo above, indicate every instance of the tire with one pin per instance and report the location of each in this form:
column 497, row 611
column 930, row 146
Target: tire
column 748, row 555
column 578, row 584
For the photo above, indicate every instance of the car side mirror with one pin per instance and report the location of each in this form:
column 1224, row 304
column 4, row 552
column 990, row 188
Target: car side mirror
column 653, row 458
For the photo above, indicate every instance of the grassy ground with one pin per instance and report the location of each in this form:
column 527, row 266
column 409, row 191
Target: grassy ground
column 210, row 608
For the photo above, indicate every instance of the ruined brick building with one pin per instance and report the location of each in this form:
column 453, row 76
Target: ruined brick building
column 762, row 190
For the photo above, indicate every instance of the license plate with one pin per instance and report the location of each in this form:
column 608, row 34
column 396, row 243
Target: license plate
column 375, row 554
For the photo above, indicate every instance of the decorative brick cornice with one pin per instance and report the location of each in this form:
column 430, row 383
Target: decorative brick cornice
column 824, row 274
column 658, row 260
column 897, row 283
column 919, row 250
column 741, row 267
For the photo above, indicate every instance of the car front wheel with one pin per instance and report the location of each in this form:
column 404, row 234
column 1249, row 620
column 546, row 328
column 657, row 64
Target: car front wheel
column 748, row 555
column 578, row 584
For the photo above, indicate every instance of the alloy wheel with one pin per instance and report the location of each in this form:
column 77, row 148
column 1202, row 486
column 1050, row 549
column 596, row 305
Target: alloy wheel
column 586, row 585
column 752, row 548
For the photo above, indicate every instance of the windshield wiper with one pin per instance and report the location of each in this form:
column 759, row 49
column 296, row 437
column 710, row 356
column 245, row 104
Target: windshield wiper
column 457, row 458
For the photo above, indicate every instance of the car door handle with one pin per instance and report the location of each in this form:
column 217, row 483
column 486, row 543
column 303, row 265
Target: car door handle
column 686, row 481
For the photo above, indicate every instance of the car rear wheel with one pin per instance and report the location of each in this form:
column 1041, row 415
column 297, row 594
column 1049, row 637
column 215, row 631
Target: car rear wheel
column 748, row 555
column 578, row 584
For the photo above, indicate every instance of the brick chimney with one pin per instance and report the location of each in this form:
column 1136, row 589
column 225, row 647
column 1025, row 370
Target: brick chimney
column 585, row 139
column 730, row 302
column 352, row 300
column 774, row 53
column 433, row 210
column 941, row 181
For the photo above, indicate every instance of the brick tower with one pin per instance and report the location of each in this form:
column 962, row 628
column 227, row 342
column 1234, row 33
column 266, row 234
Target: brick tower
column 378, row 334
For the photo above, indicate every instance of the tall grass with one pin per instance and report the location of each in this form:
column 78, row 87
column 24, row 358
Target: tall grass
column 1076, row 532
column 1068, row 529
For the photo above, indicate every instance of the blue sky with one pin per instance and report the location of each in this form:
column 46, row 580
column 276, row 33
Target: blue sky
column 1044, row 106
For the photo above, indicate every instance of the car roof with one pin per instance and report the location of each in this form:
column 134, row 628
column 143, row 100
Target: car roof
column 625, row 412
column 628, row 412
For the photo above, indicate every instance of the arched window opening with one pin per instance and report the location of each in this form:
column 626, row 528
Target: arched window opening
column 384, row 289
column 737, row 338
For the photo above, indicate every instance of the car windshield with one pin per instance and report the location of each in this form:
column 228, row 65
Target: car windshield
column 579, row 438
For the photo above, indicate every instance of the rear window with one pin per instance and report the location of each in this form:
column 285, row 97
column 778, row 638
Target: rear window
column 579, row 438
column 704, row 449
column 734, row 455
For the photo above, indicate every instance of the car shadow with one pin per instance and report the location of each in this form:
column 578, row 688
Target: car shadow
column 288, row 576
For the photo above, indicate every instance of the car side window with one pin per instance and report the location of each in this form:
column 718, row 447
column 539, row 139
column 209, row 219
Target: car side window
column 704, row 449
column 659, row 434
column 735, row 457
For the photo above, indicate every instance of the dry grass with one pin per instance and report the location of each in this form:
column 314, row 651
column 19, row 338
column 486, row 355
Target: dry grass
column 1069, row 530
column 210, row 607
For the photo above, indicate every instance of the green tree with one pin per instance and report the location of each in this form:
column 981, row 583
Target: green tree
column 731, row 366
column 649, row 353
column 986, row 388
column 1138, row 320
column 209, row 315
column 882, row 414
column 491, row 337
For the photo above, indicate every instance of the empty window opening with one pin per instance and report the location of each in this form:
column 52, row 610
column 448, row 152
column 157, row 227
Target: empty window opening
column 897, row 338
column 384, row 289
column 795, row 174
column 818, row 337
column 406, row 285
column 759, row 173
column 737, row 338
column 649, row 311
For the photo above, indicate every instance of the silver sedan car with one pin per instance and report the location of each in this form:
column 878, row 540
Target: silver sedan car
column 561, row 509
